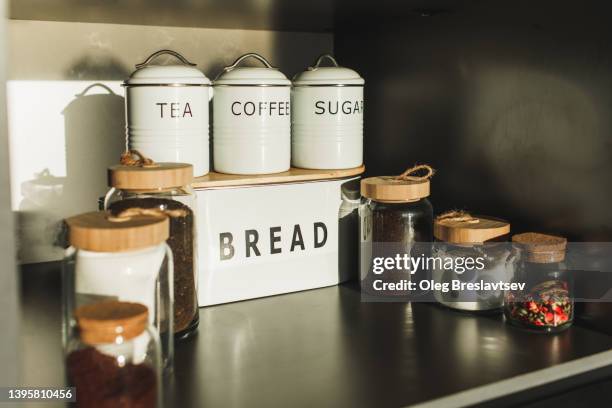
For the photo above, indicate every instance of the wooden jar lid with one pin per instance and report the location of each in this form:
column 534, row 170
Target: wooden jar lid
column 462, row 228
column 147, row 177
column 103, row 322
column 98, row 231
column 541, row 248
column 391, row 189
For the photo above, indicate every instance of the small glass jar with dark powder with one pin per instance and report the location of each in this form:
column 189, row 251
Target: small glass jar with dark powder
column 144, row 187
column 396, row 220
column 114, row 358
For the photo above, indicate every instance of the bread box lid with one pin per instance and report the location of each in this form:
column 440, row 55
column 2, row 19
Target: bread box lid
column 184, row 74
column 328, row 76
column 235, row 75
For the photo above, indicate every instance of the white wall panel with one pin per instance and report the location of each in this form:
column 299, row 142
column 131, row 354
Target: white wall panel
column 66, row 106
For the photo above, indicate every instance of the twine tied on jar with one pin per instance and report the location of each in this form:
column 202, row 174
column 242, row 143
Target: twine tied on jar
column 135, row 158
column 409, row 174
column 156, row 212
column 457, row 216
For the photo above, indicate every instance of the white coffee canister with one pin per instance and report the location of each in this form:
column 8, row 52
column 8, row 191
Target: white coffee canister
column 251, row 119
column 167, row 112
column 327, row 117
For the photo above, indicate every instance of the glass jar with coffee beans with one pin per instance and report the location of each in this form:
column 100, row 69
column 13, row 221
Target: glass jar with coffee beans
column 141, row 186
column 545, row 304
column 396, row 220
column 113, row 359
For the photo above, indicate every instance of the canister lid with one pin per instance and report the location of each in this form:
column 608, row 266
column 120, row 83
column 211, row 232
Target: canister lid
column 176, row 74
column 397, row 189
column 162, row 175
column 99, row 231
column 541, row 248
column 460, row 227
column 331, row 76
column 103, row 322
column 143, row 173
column 251, row 76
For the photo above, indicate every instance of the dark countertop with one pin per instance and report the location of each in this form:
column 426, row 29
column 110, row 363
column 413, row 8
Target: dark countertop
column 324, row 347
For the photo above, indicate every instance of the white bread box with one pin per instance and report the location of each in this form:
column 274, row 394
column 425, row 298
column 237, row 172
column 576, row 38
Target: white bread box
column 270, row 234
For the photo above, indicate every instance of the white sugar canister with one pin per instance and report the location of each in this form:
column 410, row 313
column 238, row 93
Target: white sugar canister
column 167, row 112
column 251, row 119
column 327, row 117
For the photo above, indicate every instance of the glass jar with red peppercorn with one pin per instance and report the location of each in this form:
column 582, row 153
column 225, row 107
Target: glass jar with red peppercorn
column 545, row 302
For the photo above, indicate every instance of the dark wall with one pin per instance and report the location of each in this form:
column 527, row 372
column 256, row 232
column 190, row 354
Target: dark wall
column 510, row 101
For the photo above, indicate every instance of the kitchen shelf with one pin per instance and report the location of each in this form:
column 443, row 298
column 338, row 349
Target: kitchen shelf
column 325, row 347
column 294, row 175
column 282, row 15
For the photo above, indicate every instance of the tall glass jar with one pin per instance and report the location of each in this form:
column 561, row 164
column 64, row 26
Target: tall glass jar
column 348, row 225
column 125, row 259
column 164, row 188
column 545, row 303
column 113, row 358
column 395, row 221
column 471, row 251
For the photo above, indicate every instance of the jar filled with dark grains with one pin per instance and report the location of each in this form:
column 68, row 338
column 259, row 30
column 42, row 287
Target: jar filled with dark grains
column 114, row 358
column 396, row 219
column 545, row 303
column 140, row 186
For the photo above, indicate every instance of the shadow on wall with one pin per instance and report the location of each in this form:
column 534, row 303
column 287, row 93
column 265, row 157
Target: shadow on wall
column 97, row 66
column 94, row 126
column 94, row 139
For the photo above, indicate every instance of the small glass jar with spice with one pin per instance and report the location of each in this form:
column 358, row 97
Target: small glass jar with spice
column 120, row 258
column 141, row 186
column 545, row 302
column 471, row 250
column 113, row 357
column 395, row 220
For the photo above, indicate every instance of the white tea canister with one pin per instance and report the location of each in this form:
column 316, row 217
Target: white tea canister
column 251, row 119
column 167, row 112
column 327, row 117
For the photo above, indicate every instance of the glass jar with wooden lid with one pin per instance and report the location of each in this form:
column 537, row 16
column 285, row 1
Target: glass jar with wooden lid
column 120, row 258
column 113, row 357
column 545, row 303
column 395, row 220
column 141, row 186
column 472, row 261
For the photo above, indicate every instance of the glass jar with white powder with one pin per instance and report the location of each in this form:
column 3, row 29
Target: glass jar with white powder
column 120, row 259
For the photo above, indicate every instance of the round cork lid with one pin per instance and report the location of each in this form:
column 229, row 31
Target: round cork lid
column 103, row 322
column 541, row 248
column 150, row 176
column 393, row 190
column 98, row 231
column 461, row 227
